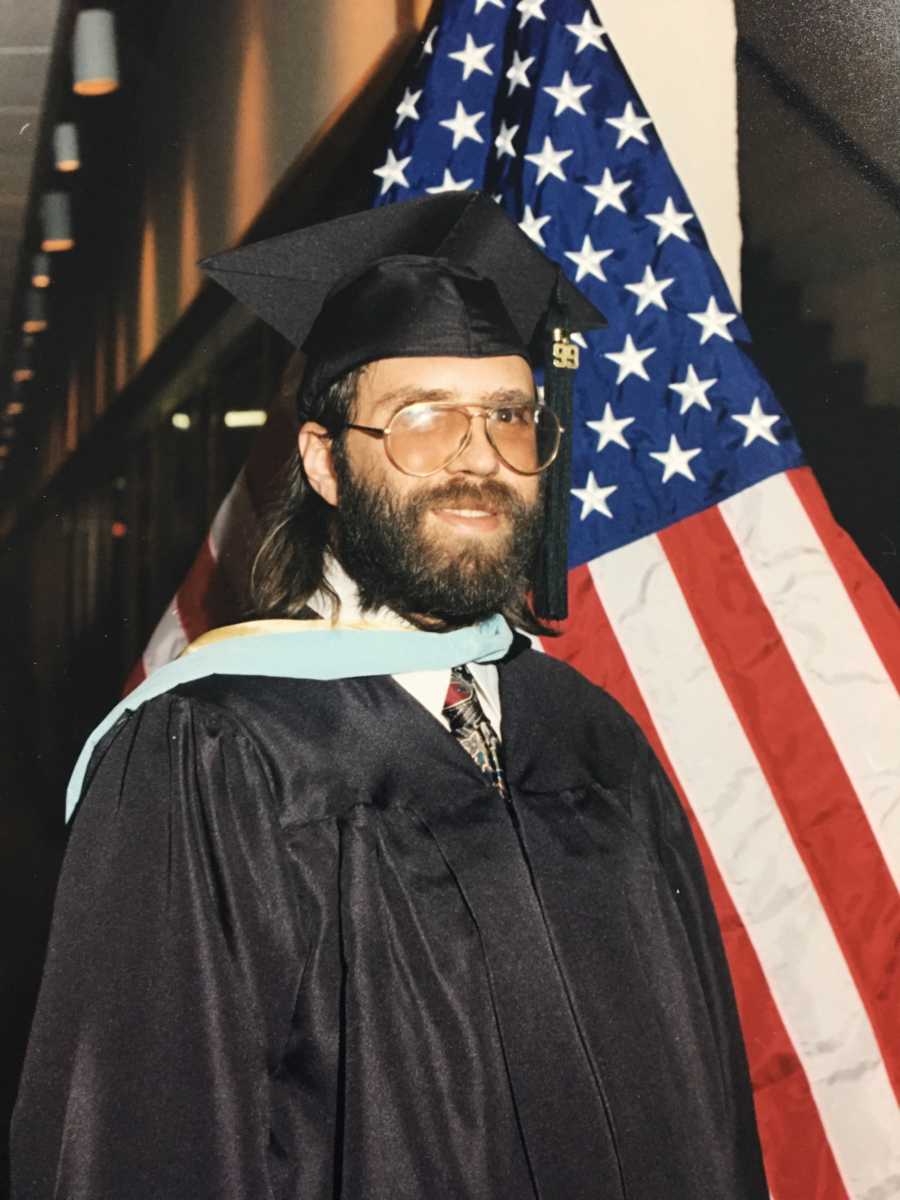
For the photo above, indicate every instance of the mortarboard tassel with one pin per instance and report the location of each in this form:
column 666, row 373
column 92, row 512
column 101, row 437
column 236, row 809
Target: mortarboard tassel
column 561, row 362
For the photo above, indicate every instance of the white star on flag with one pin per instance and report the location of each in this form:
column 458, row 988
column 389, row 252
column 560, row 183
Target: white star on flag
column 504, row 139
column 462, row 125
column 517, row 72
column 671, row 222
column 692, row 390
column 529, row 9
column 568, row 95
column 630, row 125
column 650, row 291
column 480, row 4
column 407, row 107
column 393, row 172
column 714, row 322
column 532, row 225
column 675, row 460
column 449, row 184
column 630, row 360
column 757, row 423
column 607, row 192
column 472, row 57
column 549, row 161
column 588, row 260
column 589, row 33
column 428, row 48
column 593, row 497
column 609, row 429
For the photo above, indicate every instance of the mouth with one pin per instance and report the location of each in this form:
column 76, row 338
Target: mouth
column 477, row 520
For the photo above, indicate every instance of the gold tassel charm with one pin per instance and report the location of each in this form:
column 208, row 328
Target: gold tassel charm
column 565, row 353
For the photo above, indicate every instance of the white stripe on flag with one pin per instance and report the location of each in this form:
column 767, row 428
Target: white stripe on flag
column 852, row 692
column 167, row 640
column 806, row 972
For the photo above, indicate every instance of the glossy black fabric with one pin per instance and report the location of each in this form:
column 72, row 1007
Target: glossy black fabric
column 303, row 949
column 407, row 306
column 287, row 280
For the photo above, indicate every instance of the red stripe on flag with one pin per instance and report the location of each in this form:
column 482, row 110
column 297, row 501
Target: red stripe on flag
column 275, row 443
column 816, row 798
column 136, row 676
column 799, row 1160
column 205, row 599
column 869, row 596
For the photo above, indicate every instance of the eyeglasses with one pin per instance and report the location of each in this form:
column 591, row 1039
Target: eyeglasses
column 422, row 438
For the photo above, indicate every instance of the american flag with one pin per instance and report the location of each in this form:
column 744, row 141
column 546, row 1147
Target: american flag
column 710, row 590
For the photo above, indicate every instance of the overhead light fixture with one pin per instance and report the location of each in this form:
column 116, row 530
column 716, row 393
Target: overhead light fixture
column 35, row 320
column 40, row 270
column 56, row 217
column 65, row 147
column 95, row 64
column 243, row 418
column 15, row 408
column 23, row 368
column 181, row 420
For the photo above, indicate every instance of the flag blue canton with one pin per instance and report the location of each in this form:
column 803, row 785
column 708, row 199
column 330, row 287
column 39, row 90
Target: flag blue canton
column 528, row 101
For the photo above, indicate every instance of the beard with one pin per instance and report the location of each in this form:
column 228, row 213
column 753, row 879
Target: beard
column 380, row 539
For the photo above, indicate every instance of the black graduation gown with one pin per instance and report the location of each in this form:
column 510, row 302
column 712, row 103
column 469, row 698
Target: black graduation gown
column 302, row 950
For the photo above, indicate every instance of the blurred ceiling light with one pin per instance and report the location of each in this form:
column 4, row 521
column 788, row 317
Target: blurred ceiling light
column 95, row 64
column 23, row 368
column 181, row 420
column 15, row 408
column 243, row 418
column 65, row 147
column 40, row 270
column 56, row 216
column 35, row 320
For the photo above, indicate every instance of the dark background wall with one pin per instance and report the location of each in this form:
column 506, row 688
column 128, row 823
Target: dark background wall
column 819, row 155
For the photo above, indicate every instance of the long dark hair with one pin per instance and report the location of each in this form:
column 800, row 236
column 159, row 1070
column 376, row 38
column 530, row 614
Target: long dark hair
column 290, row 564
column 289, row 567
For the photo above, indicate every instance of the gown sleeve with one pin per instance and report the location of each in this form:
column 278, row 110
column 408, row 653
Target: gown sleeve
column 655, row 804
column 171, row 976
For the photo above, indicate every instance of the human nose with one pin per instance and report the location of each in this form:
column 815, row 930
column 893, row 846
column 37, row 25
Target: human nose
column 478, row 456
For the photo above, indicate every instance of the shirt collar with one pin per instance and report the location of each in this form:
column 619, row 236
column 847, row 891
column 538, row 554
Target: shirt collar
column 430, row 686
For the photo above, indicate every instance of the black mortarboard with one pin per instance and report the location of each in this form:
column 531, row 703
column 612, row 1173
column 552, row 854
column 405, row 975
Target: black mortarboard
column 446, row 275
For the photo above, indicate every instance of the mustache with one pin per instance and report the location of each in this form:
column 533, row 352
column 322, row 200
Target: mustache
column 491, row 494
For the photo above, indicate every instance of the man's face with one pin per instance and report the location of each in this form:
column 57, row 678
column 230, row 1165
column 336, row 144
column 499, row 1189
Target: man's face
column 458, row 544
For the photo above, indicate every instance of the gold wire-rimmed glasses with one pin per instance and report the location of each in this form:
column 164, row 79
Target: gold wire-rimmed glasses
column 424, row 437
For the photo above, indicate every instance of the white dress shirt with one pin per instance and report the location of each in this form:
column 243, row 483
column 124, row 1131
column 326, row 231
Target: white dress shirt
column 428, row 687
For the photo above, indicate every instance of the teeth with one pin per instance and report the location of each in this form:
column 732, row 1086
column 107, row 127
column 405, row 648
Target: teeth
column 469, row 512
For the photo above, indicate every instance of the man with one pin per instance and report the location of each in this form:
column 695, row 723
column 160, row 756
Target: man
column 388, row 904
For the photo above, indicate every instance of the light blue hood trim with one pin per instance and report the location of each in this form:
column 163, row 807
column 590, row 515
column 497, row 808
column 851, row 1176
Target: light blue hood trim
column 308, row 653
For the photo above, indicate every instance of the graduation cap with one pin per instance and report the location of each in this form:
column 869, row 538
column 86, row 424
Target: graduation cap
column 448, row 275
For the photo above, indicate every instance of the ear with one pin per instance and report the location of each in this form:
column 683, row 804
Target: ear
column 314, row 444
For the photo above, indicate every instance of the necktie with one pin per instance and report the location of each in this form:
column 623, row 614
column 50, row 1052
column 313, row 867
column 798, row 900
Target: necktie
column 471, row 728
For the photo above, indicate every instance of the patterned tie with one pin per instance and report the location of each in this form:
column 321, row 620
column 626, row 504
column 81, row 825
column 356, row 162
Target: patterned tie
column 471, row 728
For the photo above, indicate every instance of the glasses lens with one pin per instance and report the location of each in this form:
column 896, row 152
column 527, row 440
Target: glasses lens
column 526, row 438
column 423, row 438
